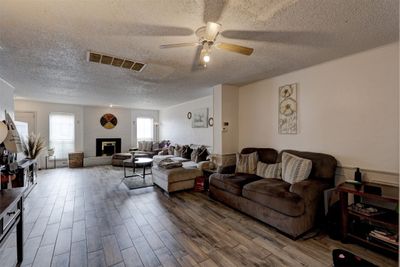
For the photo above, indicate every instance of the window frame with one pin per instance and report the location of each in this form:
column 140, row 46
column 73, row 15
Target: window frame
column 152, row 129
column 63, row 157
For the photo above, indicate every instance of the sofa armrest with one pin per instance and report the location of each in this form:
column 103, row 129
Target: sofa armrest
column 310, row 190
column 226, row 169
column 203, row 165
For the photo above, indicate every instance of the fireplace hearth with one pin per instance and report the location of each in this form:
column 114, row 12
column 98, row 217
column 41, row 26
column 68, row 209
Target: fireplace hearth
column 107, row 146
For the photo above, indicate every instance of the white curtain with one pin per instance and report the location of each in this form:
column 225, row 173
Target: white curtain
column 144, row 129
column 62, row 134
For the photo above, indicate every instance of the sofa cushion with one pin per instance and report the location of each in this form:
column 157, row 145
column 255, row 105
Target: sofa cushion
column 246, row 163
column 295, row 169
column 275, row 194
column 232, row 183
column 265, row 170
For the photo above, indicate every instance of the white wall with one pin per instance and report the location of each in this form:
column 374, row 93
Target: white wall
column 6, row 100
column 177, row 128
column 87, row 120
column 43, row 110
column 348, row 107
column 225, row 111
column 93, row 128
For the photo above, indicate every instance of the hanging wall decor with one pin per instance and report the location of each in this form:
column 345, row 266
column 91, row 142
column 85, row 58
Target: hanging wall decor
column 108, row 121
column 288, row 109
column 200, row 118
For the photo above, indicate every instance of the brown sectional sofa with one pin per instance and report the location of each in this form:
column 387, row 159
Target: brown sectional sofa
column 292, row 209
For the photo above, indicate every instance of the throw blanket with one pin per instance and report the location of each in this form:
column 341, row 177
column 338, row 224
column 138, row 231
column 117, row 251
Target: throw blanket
column 169, row 164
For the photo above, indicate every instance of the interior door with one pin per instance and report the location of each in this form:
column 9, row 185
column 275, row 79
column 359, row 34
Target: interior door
column 29, row 117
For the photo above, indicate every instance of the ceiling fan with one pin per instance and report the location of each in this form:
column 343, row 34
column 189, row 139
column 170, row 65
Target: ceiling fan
column 207, row 40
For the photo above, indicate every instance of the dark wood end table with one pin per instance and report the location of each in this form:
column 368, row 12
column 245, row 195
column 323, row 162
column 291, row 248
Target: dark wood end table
column 389, row 194
column 11, row 216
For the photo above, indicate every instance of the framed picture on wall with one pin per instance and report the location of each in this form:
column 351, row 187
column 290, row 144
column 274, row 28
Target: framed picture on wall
column 288, row 109
column 200, row 118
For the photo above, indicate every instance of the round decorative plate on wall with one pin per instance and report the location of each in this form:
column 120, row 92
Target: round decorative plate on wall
column 108, row 121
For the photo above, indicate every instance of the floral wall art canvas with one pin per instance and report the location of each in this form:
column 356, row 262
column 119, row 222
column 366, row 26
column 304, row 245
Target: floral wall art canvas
column 200, row 118
column 288, row 109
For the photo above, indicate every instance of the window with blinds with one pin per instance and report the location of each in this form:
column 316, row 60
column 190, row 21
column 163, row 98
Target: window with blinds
column 144, row 129
column 62, row 134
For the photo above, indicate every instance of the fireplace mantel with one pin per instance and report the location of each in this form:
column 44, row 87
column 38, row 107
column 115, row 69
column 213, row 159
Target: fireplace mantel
column 99, row 145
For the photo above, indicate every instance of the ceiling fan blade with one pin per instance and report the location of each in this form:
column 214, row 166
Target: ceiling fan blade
column 178, row 45
column 213, row 10
column 236, row 48
column 212, row 30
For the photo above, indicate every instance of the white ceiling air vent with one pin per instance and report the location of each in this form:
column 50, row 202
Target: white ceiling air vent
column 115, row 61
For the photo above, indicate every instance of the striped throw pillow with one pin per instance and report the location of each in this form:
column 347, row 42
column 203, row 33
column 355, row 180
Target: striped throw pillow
column 269, row 170
column 295, row 169
column 246, row 163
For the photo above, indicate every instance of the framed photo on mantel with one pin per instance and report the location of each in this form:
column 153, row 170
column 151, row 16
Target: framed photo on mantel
column 288, row 109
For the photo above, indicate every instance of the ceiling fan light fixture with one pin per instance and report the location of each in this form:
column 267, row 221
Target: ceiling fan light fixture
column 206, row 58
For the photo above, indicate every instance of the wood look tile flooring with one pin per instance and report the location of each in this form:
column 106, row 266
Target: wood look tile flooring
column 85, row 217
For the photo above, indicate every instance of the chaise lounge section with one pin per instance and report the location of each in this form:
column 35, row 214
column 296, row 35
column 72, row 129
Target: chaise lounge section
column 291, row 208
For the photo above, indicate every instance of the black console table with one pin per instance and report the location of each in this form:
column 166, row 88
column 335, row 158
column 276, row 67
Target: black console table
column 11, row 207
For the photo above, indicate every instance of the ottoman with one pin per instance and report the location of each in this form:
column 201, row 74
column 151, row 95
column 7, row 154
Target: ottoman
column 176, row 179
column 118, row 158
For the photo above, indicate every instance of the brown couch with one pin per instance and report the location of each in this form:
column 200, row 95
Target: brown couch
column 292, row 209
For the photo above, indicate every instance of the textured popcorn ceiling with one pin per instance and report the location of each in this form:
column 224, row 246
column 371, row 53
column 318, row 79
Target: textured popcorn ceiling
column 44, row 44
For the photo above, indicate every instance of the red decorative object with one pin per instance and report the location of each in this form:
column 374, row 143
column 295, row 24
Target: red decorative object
column 199, row 184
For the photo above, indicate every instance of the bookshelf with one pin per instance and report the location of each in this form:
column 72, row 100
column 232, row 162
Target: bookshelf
column 357, row 226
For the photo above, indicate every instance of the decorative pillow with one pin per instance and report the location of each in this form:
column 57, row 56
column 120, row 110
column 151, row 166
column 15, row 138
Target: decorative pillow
column 171, row 150
column 148, row 145
column 269, row 170
column 295, row 169
column 178, row 151
column 202, row 154
column 164, row 151
column 155, row 146
column 193, row 155
column 246, row 163
column 186, row 152
column 141, row 145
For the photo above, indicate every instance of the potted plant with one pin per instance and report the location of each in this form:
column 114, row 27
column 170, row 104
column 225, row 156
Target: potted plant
column 34, row 146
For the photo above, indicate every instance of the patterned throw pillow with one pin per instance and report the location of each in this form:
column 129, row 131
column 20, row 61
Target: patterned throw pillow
column 141, row 145
column 202, row 154
column 186, row 152
column 148, row 145
column 269, row 170
column 193, row 155
column 246, row 163
column 171, row 150
column 295, row 169
column 178, row 151
column 155, row 146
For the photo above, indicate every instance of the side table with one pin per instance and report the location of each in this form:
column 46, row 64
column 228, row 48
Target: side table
column 388, row 219
column 11, row 207
column 207, row 173
column 54, row 160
